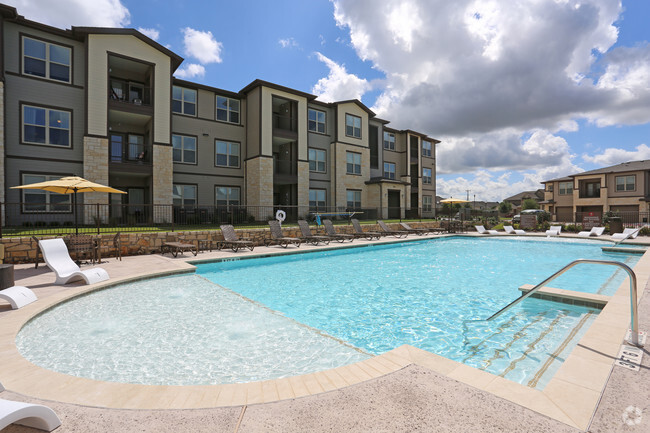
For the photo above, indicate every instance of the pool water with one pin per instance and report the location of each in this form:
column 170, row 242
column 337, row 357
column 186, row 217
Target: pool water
column 257, row 319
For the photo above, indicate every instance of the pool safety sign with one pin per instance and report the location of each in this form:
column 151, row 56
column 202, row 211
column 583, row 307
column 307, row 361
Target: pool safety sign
column 630, row 357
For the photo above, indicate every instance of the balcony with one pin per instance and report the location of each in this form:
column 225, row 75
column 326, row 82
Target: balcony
column 589, row 190
column 285, row 172
column 130, row 157
column 284, row 122
column 129, row 92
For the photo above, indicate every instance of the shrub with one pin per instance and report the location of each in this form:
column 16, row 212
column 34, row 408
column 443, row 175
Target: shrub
column 645, row 231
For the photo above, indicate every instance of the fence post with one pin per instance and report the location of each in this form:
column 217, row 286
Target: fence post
column 173, row 218
column 98, row 218
column 2, row 217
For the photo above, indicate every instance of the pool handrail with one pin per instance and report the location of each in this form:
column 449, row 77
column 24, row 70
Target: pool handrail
column 634, row 321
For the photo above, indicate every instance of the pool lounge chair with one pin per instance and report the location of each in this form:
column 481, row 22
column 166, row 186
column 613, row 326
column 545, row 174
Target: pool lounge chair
column 410, row 229
column 56, row 257
column 627, row 234
column 278, row 238
column 513, row 231
column 359, row 233
column 27, row 414
column 483, row 231
column 389, row 232
column 18, row 296
column 331, row 232
column 310, row 238
column 232, row 241
column 554, row 231
column 595, row 231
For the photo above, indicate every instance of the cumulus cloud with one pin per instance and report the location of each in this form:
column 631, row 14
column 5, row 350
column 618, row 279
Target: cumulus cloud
column 202, row 46
column 339, row 85
column 613, row 156
column 96, row 13
column 288, row 43
column 152, row 33
column 192, row 70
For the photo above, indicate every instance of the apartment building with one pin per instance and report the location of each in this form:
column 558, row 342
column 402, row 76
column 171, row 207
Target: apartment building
column 622, row 188
column 103, row 103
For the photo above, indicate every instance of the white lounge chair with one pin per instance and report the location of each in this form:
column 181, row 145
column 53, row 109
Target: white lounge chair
column 56, row 257
column 595, row 231
column 554, row 231
column 27, row 414
column 483, row 231
column 18, row 296
column 513, row 231
column 627, row 234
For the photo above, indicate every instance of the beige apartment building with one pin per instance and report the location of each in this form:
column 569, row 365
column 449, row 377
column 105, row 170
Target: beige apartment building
column 621, row 188
column 102, row 103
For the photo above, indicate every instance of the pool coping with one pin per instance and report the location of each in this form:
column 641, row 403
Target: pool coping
column 571, row 396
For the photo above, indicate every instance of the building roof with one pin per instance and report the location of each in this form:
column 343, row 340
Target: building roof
column 559, row 179
column 536, row 195
column 618, row 168
column 359, row 103
column 262, row 83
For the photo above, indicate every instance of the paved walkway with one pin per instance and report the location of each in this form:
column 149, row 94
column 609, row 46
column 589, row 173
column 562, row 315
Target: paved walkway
column 413, row 398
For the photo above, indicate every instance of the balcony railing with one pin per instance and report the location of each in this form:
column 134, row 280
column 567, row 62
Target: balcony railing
column 135, row 96
column 285, row 123
column 131, row 154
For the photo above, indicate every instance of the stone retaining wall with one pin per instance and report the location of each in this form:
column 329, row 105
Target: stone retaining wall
column 23, row 250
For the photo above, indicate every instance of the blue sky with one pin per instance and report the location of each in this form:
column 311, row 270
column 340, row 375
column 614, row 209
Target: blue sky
column 518, row 92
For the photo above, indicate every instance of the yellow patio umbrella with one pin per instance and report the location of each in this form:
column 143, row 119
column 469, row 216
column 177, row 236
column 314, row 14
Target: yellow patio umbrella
column 70, row 185
column 451, row 201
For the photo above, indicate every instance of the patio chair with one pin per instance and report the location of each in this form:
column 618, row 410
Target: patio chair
column 18, row 296
column 483, row 231
column 359, row 233
column 27, row 414
column 37, row 256
column 331, row 232
column 595, row 231
column 232, row 241
column 57, row 258
column 278, row 238
column 513, row 231
column 390, row 232
column 554, row 231
column 310, row 238
column 410, row 229
column 174, row 246
column 117, row 245
column 83, row 246
column 627, row 234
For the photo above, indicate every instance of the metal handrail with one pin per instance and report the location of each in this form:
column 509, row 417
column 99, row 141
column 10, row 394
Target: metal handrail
column 634, row 322
column 626, row 237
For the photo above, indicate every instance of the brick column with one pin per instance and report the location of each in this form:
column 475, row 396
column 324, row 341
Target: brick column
column 95, row 170
column 163, row 182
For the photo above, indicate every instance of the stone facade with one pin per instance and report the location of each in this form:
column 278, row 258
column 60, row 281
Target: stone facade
column 95, row 170
column 259, row 182
column 303, row 182
column 163, row 182
column 2, row 144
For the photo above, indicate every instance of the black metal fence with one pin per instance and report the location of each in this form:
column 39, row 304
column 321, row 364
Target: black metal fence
column 628, row 219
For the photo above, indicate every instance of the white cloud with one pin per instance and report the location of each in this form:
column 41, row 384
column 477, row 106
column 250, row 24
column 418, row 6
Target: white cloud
column 152, row 33
column 191, row 70
column 202, row 46
column 66, row 13
column 613, row 156
column 288, row 43
column 339, row 85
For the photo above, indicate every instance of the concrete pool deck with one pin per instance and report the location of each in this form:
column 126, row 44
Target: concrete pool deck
column 403, row 390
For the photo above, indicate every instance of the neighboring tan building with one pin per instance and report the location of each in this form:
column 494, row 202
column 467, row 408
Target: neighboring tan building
column 622, row 188
column 517, row 199
column 102, row 103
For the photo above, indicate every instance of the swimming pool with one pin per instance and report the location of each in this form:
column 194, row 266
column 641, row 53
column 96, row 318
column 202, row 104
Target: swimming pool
column 320, row 310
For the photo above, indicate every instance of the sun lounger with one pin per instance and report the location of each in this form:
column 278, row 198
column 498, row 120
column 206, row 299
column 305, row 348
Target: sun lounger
column 359, row 233
column 232, row 241
column 331, row 232
column 389, row 232
column 554, row 231
column 56, row 257
column 513, row 231
column 18, row 296
column 410, row 229
column 308, row 237
column 278, row 238
column 595, row 231
column 27, row 414
column 483, row 231
column 178, row 247
column 627, row 234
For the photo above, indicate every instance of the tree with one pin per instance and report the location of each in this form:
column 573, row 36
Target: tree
column 530, row 203
column 505, row 207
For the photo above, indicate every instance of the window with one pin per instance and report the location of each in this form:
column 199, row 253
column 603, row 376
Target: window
column 353, row 163
column 226, row 154
column 426, row 148
column 46, row 126
column 37, row 200
column 427, row 203
column 317, row 159
column 354, row 199
column 316, row 120
column 227, row 196
column 389, row 141
column 184, row 149
column 317, row 198
column 47, row 60
column 227, row 109
column 184, row 195
column 389, row 170
column 184, row 101
column 625, row 183
column 549, row 187
column 565, row 188
column 352, row 126
column 426, row 176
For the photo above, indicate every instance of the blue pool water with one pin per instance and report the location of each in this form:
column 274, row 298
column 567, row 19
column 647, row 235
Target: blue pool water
column 256, row 319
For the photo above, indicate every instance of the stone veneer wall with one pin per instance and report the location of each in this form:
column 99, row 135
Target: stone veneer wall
column 303, row 183
column 23, row 250
column 163, row 182
column 2, row 144
column 95, row 170
column 259, row 182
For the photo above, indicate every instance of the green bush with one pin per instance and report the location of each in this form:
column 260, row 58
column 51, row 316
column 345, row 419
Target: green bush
column 645, row 231
column 543, row 217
